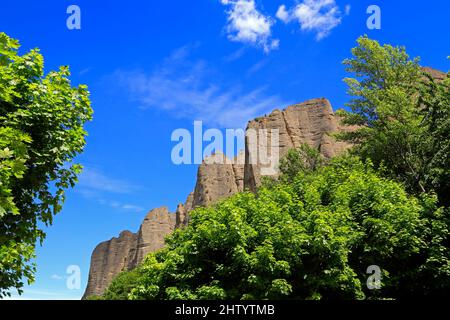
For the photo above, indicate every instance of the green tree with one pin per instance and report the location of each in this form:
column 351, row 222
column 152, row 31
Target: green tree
column 305, row 158
column 435, row 142
column 403, row 116
column 121, row 286
column 309, row 238
column 41, row 131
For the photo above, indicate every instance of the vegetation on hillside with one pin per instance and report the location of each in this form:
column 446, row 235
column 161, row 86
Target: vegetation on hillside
column 313, row 232
column 311, row 238
column 404, row 117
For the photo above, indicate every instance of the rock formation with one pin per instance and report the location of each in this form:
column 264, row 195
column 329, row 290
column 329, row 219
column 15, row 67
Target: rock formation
column 156, row 226
column 311, row 122
column 436, row 74
column 218, row 178
column 108, row 259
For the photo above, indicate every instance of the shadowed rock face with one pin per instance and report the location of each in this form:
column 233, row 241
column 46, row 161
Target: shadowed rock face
column 126, row 252
column 129, row 250
column 310, row 122
column 109, row 259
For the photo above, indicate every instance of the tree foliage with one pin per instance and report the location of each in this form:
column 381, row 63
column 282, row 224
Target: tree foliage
column 122, row 285
column 404, row 117
column 303, row 159
column 41, row 130
column 313, row 232
column 435, row 142
column 312, row 237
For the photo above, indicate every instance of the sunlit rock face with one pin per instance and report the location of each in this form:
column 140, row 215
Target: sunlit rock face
column 312, row 122
column 218, row 177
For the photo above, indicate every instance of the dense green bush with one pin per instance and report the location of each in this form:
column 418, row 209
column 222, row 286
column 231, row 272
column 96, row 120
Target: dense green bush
column 311, row 238
column 121, row 286
column 313, row 232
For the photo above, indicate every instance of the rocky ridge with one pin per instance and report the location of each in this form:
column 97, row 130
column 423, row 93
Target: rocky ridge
column 311, row 122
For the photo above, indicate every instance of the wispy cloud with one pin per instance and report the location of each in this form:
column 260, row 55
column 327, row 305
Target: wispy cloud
column 132, row 207
column 347, row 9
column 186, row 89
column 96, row 186
column 247, row 24
column 318, row 16
column 95, row 180
column 256, row 67
column 119, row 205
column 283, row 14
column 84, row 71
column 56, row 277
column 235, row 55
column 104, row 200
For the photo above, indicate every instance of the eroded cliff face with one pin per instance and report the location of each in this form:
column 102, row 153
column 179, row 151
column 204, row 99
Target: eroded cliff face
column 156, row 226
column 311, row 122
column 109, row 259
column 217, row 178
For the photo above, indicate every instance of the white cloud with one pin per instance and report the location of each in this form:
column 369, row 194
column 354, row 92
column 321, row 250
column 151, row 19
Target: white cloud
column 189, row 89
column 248, row 25
column 56, row 277
column 95, row 180
column 283, row 14
column 318, row 16
column 348, row 8
column 105, row 201
column 118, row 205
column 235, row 55
column 132, row 207
column 96, row 186
column 256, row 67
column 84, row 71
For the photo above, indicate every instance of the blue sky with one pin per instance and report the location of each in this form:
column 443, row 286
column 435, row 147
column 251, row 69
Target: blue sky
column 155, row 66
